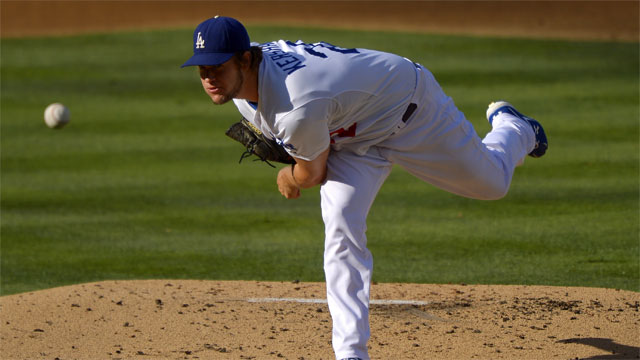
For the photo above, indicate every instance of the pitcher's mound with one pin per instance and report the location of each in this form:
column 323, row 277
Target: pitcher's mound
column 261, row 320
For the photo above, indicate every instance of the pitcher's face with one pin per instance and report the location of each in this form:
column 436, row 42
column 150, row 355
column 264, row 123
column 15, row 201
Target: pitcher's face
column 222, row 82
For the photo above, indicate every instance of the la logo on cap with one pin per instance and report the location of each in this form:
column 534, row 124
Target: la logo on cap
column 200, row 41
column 222, row 36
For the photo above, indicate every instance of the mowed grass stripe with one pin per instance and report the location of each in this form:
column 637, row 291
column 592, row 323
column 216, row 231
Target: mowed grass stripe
column 143, row 183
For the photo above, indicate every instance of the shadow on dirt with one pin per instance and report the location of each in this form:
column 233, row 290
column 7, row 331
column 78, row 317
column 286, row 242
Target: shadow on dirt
column 618, row 351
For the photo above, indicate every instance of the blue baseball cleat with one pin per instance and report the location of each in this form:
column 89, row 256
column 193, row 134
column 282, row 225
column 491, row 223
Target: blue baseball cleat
column 499, row 107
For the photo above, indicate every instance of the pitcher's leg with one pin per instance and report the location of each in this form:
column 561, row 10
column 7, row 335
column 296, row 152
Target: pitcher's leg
column 457, row 160
column 439, row 146
column 511, row 140
column 352, row 184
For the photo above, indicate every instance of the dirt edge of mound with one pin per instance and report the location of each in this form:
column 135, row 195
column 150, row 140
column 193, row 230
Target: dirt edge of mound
column 256, row 320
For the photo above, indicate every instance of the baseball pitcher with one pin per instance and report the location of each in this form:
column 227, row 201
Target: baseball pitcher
column 342, row 117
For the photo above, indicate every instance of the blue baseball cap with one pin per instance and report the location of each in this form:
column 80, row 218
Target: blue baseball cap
column 216, row 40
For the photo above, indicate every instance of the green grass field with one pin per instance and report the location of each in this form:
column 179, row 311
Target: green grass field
column 144, row 184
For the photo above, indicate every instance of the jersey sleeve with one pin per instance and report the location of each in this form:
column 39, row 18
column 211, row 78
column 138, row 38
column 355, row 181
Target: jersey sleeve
column 305, row 130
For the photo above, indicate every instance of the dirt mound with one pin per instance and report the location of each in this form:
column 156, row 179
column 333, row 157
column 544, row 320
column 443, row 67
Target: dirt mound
column 262, row 320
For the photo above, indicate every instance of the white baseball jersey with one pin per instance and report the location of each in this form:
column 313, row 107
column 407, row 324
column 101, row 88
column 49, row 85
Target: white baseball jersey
column 314, row 95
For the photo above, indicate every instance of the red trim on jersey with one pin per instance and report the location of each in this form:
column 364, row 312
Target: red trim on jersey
column 350, row 132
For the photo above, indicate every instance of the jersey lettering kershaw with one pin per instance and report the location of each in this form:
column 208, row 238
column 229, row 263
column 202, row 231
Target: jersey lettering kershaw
column 314, row 95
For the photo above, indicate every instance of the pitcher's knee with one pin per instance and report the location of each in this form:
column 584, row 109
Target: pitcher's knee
column 484, row 187
column 492, row 191
column 497, row 195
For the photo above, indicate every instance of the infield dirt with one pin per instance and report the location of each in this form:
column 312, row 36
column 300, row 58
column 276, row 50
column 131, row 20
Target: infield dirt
column 264, row 320
column 250, row 320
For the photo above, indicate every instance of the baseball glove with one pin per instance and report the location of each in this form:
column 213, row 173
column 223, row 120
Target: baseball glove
column 257, row 144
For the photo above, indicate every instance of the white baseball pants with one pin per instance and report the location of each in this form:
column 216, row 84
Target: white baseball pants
column 437, row 145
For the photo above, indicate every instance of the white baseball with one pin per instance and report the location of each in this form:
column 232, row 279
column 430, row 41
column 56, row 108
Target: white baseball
column 56, row 115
